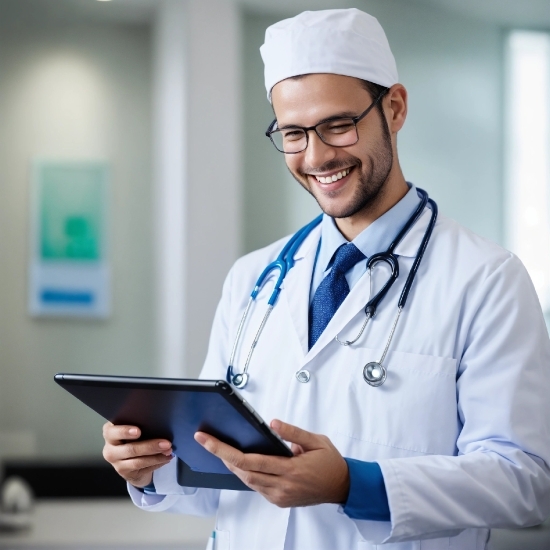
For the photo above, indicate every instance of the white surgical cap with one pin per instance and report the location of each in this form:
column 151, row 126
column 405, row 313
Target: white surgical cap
column 348, row 42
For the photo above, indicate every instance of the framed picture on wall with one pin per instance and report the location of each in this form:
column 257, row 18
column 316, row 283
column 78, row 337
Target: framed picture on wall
column 69, row 272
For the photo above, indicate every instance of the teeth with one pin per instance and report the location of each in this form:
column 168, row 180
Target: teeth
column 336, row 177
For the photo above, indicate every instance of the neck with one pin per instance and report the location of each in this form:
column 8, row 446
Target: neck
column 393, row 191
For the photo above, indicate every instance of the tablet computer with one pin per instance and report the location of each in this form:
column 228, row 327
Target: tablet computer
column 175, row 409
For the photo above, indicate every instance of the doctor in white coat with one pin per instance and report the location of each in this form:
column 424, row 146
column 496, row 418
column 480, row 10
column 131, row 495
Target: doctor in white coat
column 457, row 439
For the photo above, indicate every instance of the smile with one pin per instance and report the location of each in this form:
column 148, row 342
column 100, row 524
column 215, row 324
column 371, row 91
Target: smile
column 333, row 177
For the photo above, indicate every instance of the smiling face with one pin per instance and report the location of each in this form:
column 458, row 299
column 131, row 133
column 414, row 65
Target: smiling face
column 349, row 183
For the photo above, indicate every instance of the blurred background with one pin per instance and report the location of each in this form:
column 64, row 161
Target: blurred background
column 167, row 98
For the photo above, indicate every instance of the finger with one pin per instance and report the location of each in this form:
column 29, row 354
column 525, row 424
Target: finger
column 116, row 435
column 257, row 481
column 307, row 440
column 297, row 449
column 144, row 448
column 115, row 453
column 247, row 462
column 221, row 450
column 271, row 465
column 132, row 466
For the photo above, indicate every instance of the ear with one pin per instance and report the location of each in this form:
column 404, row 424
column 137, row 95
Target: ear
column 395, row 107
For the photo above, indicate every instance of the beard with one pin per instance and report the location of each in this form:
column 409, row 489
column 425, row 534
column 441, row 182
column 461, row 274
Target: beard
column 373, row 175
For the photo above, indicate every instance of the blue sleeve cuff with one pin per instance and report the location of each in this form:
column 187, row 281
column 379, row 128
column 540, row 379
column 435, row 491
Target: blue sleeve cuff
column 149, row 489
column 367, row 498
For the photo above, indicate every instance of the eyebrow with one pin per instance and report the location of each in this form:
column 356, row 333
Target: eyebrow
column 343, row 114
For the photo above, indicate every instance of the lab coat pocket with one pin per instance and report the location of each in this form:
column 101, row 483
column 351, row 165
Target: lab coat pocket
column 413, row 413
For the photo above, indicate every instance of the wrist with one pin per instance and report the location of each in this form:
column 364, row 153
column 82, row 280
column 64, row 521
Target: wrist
column 343, row 486
column 149, row 488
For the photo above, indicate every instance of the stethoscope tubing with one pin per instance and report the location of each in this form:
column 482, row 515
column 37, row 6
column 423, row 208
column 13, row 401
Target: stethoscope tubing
column 419, row 255
column 284, row 263
column 412, row 220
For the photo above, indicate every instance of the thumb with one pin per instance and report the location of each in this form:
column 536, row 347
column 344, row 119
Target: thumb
column 307, row 440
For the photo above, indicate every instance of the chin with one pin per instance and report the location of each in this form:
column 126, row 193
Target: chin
column 335, row 207
column 334, row 211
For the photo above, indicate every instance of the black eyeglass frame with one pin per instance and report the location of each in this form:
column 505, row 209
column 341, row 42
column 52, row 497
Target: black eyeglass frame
column 306, row 131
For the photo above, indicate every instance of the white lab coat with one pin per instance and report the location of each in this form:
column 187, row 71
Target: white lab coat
column 461, row 427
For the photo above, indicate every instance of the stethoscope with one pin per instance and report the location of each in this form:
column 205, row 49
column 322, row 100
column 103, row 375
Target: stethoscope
column 374, row 373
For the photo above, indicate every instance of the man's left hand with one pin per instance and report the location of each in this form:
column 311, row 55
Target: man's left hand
column 316, row 474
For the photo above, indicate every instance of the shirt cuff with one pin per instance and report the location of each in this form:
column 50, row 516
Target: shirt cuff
column 148, row 489
column 367, row 498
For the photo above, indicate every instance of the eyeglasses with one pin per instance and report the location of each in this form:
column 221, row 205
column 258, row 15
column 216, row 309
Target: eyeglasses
column 336, row 132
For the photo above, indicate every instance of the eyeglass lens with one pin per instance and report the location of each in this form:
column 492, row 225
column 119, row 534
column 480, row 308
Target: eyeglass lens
column 339, row 133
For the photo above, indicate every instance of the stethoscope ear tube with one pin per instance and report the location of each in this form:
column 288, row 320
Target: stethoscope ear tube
column 411, row 221
column 419, row 255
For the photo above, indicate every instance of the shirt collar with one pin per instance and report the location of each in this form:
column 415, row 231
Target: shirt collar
column 377, row 237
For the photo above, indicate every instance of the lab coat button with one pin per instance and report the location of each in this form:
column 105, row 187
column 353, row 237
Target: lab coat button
column 303, row 376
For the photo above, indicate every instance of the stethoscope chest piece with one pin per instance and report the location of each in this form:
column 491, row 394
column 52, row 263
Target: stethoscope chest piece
column 303, row 376
column 374, row 374
column 240, row 380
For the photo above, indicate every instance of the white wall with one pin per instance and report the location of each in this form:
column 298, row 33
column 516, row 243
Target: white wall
column 450, row 145
column 214, row 224
column 170, row 184
column 73, row 92
column 198, row 171
column 452, row 141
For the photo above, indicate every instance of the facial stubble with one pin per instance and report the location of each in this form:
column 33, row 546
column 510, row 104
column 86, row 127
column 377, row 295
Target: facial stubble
column 372, row 178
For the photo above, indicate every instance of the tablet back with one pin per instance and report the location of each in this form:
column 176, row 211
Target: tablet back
column 175, row 410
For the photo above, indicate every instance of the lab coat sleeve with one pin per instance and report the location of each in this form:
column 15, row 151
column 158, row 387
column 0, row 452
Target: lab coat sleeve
column 500, row 476
column 171, row 497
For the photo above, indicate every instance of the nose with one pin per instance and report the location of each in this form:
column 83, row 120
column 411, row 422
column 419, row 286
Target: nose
column 318, row 152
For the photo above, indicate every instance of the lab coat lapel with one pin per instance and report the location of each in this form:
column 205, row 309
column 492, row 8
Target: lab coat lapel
column 354, row 302
column 297, row 285
column 359, row 294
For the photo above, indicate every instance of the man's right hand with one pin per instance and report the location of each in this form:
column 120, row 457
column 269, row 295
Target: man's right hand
column 134, row 460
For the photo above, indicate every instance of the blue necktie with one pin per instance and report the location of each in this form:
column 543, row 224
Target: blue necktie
column 332, row 291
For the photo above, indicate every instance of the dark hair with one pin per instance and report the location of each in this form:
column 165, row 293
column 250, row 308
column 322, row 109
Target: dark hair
column 374, row 90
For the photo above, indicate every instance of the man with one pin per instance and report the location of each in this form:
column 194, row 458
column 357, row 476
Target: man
column 456, row 440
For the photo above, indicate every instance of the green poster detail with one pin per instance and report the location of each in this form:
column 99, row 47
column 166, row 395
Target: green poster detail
column 71, row 211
